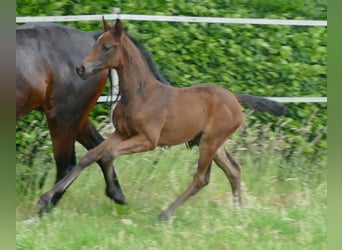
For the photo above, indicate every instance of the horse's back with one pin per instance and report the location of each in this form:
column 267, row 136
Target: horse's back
column 46, row 55
column 209, row 95
column 42, row 46
column 193, row 110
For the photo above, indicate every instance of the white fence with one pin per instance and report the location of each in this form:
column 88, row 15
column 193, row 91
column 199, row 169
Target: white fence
column 254, row 21
column 171, row 19
column 278, row 99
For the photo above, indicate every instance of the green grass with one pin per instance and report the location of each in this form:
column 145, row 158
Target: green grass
column 285, row 204
column 284, row 199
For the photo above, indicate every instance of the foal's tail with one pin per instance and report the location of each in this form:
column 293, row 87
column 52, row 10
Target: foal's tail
column 261, row 104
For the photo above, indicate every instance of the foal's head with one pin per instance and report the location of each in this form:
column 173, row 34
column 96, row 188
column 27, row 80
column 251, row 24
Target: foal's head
column 106, row 52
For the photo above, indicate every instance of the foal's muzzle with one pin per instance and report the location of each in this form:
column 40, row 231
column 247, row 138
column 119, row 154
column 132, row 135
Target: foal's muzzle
column 81, row 72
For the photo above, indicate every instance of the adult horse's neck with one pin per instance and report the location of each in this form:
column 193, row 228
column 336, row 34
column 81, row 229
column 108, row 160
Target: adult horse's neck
column 134, row 73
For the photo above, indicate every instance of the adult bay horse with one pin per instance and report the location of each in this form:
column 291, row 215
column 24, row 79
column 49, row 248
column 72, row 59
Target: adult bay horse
column 150, row 114
column 46, row 80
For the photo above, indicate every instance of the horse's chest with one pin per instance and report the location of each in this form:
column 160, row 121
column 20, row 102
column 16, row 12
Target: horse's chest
column 124, row 123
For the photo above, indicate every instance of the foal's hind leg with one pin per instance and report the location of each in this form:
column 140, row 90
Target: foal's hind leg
column 232, row 170
column 89, row 137
column 201, row 179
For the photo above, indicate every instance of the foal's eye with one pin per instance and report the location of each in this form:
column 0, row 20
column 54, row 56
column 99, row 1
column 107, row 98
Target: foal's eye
column 106, row 46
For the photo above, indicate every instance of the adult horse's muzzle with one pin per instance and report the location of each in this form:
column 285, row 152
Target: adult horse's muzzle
column 82, row 72
column 86, row 69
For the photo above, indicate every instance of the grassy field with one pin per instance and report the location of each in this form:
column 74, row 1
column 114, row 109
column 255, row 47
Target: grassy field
column 284, row 204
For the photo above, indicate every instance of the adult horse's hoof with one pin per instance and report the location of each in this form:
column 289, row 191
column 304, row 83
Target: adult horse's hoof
column 117, row 196
column 120, row 199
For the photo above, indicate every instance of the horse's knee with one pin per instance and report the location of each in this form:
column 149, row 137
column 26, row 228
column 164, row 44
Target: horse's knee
column 198, row 183
column 86, row 160
column 202, row 180
column 107, row 159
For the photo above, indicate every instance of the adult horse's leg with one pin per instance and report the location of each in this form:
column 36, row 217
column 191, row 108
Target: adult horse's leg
column 63, row 143
column 89, row 137
column 232, row 170
column 93, row 155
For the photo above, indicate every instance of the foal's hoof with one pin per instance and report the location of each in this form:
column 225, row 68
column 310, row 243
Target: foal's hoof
column 163, row 216
column 44, row 201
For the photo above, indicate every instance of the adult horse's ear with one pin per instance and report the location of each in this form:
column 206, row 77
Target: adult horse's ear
column 106, row 26
column 118, row 27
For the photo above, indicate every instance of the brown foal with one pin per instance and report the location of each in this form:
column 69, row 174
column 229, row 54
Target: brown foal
column 151, row 114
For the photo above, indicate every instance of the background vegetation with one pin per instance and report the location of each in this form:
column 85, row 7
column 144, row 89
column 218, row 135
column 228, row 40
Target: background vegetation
column 262, row 60
column 284, row 159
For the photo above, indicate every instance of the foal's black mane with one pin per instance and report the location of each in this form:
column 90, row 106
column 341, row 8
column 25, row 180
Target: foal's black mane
column 149, row 60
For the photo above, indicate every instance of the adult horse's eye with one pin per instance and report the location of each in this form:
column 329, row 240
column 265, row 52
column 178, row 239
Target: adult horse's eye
column 106, row 46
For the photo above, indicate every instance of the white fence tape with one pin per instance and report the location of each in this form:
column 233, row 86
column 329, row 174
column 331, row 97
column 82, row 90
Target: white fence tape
column 278, row 99
column 192, row 19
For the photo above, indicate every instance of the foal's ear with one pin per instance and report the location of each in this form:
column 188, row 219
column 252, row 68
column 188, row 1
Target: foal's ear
column 119, row 29
column 106, row 26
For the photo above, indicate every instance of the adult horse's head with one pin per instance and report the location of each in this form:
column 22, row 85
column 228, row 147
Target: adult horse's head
column 106, row 52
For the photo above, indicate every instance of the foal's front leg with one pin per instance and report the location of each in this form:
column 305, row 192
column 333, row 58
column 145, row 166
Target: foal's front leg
column 112, row 147
column 89, row 137
column 90, row 157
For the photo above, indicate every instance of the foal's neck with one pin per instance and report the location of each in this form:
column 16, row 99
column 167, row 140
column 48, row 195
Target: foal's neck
column 134, row 73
